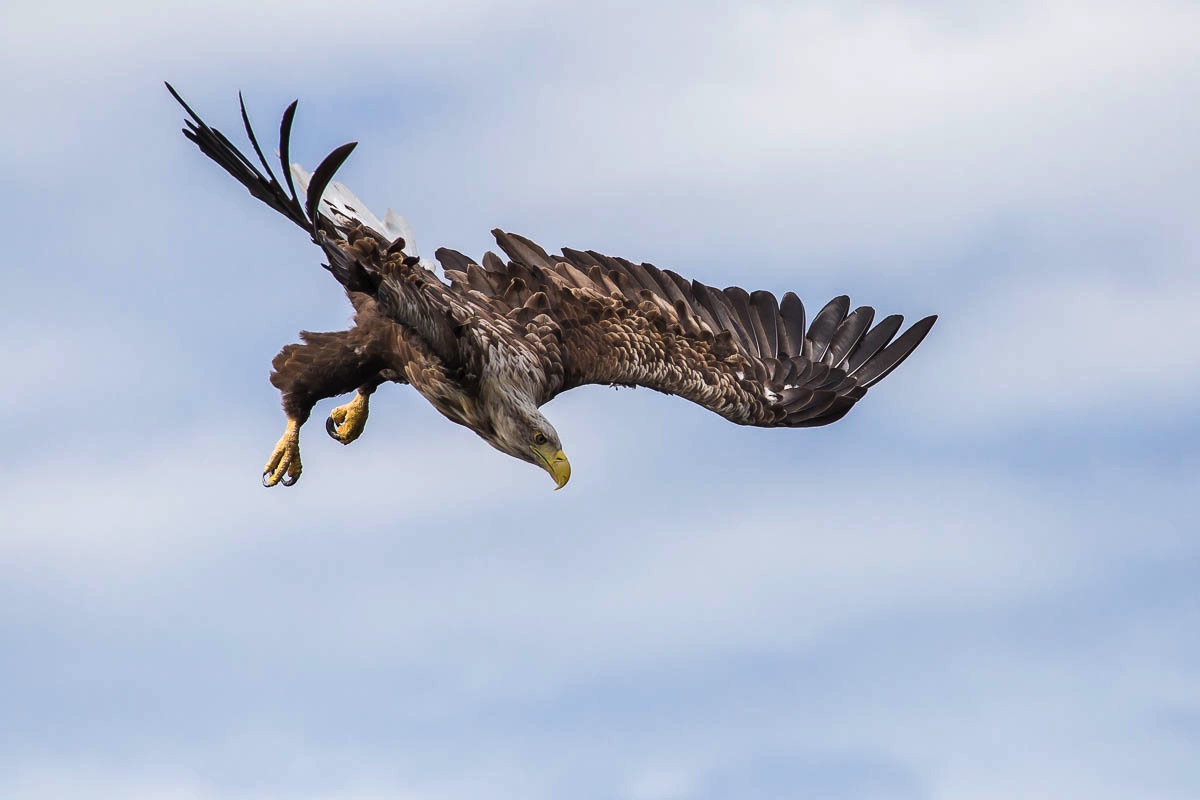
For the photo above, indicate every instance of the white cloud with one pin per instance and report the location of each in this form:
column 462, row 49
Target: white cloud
column 838, row 135
column 629, row 580
column 674, row 615
column 1095, row 344
column 152, row 507
column 265, row 31
column 793, row 135
column 58, row 781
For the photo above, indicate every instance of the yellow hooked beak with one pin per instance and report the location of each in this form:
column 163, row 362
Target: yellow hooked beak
column 555, row 462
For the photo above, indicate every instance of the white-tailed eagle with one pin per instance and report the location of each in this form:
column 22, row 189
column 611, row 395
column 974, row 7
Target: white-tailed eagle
column 496, row 339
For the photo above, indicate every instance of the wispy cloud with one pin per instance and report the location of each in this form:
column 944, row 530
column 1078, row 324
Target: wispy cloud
column 980, row 584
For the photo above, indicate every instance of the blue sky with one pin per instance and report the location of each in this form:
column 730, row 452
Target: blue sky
column 980, row 584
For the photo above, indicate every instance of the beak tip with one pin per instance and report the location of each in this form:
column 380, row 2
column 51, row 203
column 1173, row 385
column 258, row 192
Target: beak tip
column 561, row 480
column 557, row 465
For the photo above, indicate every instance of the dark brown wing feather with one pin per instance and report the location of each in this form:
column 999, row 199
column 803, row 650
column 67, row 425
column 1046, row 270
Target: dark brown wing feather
column 746, row 356
column 363, row 260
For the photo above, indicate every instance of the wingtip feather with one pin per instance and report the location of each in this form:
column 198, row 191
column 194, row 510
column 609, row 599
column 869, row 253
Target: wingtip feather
column 323, row 174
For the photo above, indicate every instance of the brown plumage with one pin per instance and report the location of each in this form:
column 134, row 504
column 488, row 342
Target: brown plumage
column 499, row 338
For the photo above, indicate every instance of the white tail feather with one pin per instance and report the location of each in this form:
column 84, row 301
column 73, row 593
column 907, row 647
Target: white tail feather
column 340, row 204
column 398, row 226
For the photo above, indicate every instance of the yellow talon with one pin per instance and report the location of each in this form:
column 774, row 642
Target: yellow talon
column 346, row 423
column 284, row 464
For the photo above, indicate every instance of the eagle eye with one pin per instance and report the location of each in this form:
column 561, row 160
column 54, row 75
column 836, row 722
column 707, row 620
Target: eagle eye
column 540, row 438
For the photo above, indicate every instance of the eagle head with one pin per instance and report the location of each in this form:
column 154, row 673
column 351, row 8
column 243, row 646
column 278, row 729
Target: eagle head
column 521, row 431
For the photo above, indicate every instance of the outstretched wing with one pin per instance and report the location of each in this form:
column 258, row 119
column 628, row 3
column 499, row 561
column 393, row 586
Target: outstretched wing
column 309, row 215
column 365, row 254
column 747, row 356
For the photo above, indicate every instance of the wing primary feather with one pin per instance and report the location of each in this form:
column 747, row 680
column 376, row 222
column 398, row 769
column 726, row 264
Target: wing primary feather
column 518, row 248
column 711, row 299
column 825, row 324
column 738, row 329
column 492, row 262
column 791, row 313
column 739, row 299
column 228, row 156
column 795, row 398
column 766, row 319
column 689, row 298
column 543, row 259
column 661, row 282
column 798, row 367
column 477, row 279
column 285, row 143
column 181, row 102
column 639, row 275
column 321, row 177
column 580, row 258
column 845, row 384
column 875, row 340
column 254, row 140
column 573, row 275
column 776, row 370
column 723, row 307
column 452, row 259
column 833, row 379
column 894, row 354
column 670, row 288
column 629, row 285
column 702, row 307
column 815, row 375
column 241, row 158
column 838, row 409
column 816, row 406
column 214, row 145
column 848, row 335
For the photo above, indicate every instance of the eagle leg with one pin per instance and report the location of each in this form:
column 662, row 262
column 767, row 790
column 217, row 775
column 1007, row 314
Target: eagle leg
column 284, row 464
column 326, row 365
column 346, row 422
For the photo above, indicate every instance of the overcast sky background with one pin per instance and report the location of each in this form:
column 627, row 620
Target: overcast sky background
column 983, row 583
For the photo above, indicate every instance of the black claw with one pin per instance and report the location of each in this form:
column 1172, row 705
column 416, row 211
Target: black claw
column 266, row 475
column 289, row 480
column 331, row 429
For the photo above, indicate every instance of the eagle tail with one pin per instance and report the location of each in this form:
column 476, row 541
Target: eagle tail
column 341, row 205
